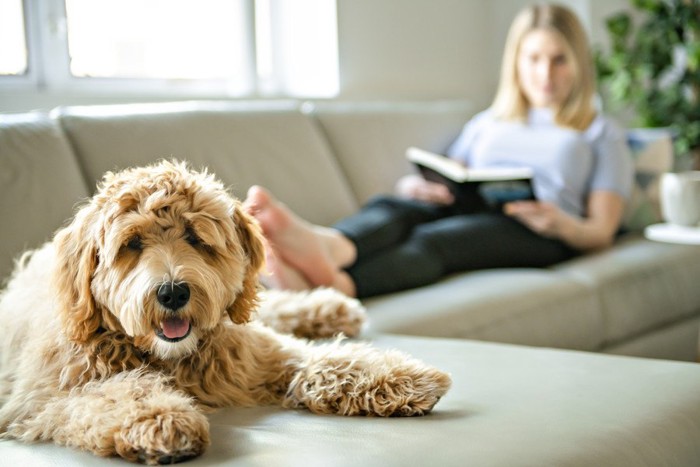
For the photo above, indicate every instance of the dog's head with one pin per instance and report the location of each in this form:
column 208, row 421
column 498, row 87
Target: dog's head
column 161, row 253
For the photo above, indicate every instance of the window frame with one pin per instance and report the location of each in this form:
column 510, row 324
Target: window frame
column 48, row 65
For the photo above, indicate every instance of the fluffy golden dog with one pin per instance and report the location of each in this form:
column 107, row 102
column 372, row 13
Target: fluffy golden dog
column 136, row 319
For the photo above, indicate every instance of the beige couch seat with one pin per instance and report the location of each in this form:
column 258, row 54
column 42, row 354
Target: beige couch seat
column 639, row 298
column 648, row 294
column 509, row 406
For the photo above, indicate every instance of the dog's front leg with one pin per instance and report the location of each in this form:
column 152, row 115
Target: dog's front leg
column 256, row 366
column 356, row 379
column 136, row 415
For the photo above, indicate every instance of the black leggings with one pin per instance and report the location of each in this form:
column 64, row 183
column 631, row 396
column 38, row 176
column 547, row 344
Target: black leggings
column 402, row 244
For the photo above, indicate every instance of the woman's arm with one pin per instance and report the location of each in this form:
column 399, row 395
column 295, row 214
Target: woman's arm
column 594, row 232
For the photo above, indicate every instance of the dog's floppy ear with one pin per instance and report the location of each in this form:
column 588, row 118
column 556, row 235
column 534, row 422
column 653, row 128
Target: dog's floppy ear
column 251, row 238
column 76, row 260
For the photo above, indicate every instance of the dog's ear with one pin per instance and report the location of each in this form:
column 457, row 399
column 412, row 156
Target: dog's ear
column 250, row 236
column 76, row 260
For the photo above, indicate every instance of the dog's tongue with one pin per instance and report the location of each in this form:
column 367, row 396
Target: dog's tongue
column 174, row 328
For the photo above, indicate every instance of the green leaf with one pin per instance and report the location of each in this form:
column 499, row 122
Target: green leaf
column 619, row 26
column 634, row 74
column 692, row 51
column 652, row 6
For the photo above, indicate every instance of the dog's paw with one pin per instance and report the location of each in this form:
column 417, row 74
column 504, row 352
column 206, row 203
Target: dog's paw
column 315, row 314
column 364, row 381
column 406, row 392
column 164, row 438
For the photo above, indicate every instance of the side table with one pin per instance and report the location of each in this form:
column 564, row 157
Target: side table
column 672, row 233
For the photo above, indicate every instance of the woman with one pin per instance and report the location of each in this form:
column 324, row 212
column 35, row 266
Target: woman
column 542, row 117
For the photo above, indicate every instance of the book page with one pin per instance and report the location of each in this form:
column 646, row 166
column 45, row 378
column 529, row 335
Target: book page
column 459, row 173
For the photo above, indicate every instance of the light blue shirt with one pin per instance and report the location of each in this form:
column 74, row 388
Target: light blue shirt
column 568, row 164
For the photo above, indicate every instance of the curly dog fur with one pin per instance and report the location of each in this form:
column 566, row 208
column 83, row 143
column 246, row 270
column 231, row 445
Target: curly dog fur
column 136, row 320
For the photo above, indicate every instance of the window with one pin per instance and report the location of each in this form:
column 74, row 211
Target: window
column 297, row 47
column 211, row 47
column 13, row 39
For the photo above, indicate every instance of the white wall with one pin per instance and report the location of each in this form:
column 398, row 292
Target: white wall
column 427, row 49
column 421, row 49
column 401, row 49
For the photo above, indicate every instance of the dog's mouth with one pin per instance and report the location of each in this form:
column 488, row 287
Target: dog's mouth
column 174, row 329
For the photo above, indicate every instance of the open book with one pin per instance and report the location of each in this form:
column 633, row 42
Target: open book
column 480, row 189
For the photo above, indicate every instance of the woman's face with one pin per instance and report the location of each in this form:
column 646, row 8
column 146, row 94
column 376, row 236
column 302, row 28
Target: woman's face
column 545, row 74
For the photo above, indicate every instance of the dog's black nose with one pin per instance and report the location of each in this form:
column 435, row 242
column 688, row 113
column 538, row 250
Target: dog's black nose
column 173, row 296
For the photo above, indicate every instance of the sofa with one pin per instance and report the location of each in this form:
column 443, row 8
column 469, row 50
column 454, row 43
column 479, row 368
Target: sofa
column 325, row 159
column 541, row 392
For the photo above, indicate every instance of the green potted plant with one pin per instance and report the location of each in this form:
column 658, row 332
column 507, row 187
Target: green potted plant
column 652, row 69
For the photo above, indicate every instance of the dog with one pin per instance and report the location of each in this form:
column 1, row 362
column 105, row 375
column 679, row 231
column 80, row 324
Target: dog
column 138, row 318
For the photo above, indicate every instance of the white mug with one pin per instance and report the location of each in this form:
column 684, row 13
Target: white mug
column 680, row 198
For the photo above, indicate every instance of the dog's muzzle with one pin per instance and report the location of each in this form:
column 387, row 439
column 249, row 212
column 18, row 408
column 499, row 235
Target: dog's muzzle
column 174, row 296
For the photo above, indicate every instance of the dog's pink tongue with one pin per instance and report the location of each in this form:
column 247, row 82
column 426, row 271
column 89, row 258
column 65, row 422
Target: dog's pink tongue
column 174, row 328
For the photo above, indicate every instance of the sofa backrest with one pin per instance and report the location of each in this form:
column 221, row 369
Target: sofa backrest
column 323, row 159
column 244, row 143
column 40, row 183
column 370, row 139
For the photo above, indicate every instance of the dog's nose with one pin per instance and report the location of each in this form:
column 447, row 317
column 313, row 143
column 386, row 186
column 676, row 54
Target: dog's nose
column 173, row 296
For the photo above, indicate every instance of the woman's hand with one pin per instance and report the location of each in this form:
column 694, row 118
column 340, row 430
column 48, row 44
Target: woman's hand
column 594, row 232
column 543, row 218
column 416, row 187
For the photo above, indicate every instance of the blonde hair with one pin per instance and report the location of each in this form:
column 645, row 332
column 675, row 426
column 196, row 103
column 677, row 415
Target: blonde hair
column 578, row 110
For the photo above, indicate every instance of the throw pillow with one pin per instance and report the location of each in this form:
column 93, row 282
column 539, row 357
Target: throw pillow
column 652, row 152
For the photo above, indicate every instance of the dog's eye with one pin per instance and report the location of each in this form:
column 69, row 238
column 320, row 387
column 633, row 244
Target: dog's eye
column 135, row 243
column 192, row 238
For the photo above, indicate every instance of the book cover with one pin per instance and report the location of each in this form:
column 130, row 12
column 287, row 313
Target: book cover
column 483, row 189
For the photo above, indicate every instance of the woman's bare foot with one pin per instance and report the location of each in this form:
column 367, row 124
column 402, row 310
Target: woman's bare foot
column 344, row 283
column 295, row 242
column 279, row 275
